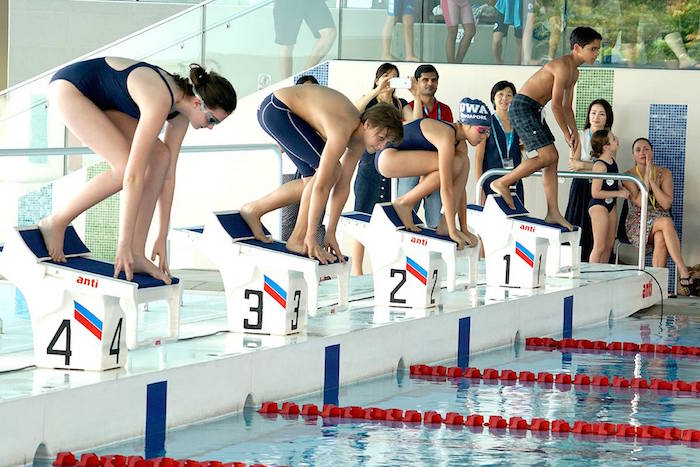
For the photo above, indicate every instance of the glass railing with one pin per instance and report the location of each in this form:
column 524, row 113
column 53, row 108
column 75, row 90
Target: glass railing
column 240, row 39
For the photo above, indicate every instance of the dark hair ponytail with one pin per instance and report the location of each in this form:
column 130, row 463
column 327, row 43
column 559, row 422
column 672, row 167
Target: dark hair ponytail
column 214, row 89
column 598, row 140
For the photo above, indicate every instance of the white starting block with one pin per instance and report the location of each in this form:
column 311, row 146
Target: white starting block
column 407, row 265
column 269, row 290
column 82, row 318
column 496, row 219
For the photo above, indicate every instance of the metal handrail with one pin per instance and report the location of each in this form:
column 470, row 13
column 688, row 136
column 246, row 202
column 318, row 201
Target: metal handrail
column 589, row 176
column 33, row 152
column 78, row 151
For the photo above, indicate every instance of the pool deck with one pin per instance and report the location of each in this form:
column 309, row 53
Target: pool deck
column 209, row 372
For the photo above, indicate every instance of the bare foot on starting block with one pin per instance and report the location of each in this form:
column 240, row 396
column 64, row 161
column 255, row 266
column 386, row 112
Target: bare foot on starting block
column 405, row 213
column 471, row 239
column 320, row 254
column 144, row 266
column 557, row 218
column 504, row 191
column 252, row 218
column 53, row 234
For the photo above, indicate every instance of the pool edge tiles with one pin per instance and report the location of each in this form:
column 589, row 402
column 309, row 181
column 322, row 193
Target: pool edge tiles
column 212, row 388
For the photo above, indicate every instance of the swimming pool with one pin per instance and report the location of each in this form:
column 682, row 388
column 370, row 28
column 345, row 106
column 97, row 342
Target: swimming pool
column 251, row 437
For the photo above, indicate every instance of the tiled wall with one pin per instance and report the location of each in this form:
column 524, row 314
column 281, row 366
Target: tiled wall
column 592, row 84
column 320, row 72
column 34, row 206
column 667, row 133
column 102, row 221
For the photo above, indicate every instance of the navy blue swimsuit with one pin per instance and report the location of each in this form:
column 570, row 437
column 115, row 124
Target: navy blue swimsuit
column 105, row 86
column 414, row 139
column 608, row 185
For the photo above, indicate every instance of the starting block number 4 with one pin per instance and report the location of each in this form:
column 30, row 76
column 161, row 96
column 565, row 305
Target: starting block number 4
column 410, row 283
column 89, row 338
column 269, row 305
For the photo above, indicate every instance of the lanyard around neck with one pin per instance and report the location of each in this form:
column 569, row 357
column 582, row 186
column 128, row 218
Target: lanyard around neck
column 509, row 140
column 439, row 111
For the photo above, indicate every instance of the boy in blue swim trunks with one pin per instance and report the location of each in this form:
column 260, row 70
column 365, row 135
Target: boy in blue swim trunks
column 325, row 135
column 555, row 81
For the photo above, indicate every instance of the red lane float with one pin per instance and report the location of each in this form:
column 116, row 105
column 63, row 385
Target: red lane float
column 68, row 459
column 453, row 419
column 543, row 377
column 568, row 344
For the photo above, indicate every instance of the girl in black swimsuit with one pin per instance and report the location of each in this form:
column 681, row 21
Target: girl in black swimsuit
column 602, row 208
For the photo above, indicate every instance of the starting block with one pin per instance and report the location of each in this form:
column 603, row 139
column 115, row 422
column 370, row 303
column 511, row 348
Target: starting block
column 269, row 290
column 82, row 318
column 496, row 219
column 408, row 266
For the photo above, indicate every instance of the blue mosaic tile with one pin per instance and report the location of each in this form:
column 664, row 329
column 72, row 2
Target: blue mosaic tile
column 320, row 72
column 667, row 133
column 35, row 205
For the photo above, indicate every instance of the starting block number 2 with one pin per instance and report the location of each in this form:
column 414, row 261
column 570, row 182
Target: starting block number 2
column 66, row 352
column 402, row 272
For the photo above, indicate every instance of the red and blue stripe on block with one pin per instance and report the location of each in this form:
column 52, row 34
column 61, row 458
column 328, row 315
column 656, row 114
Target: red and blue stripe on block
column 525, row 254
column 87, row 319
column 273, row 289
column 416, row 270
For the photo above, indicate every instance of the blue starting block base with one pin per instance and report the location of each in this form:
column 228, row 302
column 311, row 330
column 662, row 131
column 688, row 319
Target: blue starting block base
column 82, row 317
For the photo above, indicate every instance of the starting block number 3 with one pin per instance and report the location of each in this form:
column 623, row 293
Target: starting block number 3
column 257, row 323
column 269, row 304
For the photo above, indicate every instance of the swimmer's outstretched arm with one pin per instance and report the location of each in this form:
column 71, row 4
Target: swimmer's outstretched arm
column 341, row 192
column 324, row 180
column 147, row 130
column 175, row 131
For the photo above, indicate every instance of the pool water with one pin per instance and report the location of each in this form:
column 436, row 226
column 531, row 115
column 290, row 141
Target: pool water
column 251, row 437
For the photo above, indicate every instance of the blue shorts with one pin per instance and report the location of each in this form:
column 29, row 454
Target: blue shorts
column 400, row 7
column 298, row 139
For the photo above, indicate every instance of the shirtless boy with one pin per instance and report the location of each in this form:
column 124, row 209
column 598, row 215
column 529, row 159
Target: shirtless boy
column 325, row 135
column 555, row 81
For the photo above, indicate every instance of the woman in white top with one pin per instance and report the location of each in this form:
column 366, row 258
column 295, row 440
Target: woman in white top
column 599, row 116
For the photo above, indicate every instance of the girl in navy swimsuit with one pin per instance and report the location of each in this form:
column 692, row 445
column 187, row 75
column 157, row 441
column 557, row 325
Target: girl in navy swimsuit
column 117, row 108
column 603, row 207
column 435, row 151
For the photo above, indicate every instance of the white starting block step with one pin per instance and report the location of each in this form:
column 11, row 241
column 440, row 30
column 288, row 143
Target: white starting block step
column 269, row 290
column 509, row 241
column 82, row 317
column 408, row 266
